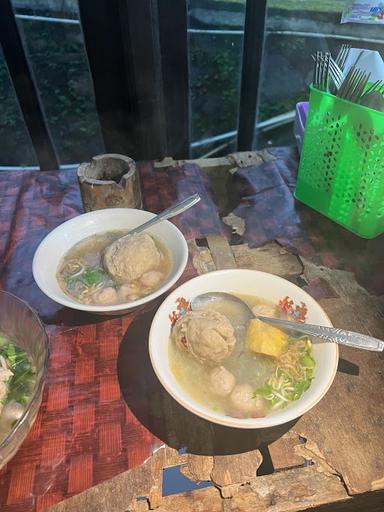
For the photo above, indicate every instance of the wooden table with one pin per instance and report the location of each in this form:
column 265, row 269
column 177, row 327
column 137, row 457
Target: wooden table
column 140, row 450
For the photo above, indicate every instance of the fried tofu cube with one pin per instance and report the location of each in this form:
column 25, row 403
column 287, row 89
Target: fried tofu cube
column 265, row 339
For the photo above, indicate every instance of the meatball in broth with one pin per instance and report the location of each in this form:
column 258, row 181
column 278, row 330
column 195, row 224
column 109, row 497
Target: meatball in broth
column 206, row 335
column 221, row 381
column 105, row 270
column 129, row 259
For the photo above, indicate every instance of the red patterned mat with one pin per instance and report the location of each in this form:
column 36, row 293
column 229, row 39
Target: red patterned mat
column 84, row 433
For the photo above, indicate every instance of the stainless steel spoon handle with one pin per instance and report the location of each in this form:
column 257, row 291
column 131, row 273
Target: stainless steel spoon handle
column 166, row 214
column 332, row 334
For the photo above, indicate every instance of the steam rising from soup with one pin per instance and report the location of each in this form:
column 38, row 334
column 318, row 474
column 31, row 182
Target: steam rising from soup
column 94, row 273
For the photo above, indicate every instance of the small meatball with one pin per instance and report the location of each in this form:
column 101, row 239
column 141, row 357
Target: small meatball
column 127, row 260
column 11, row 412
column 5, row 372
column 221, row 381
column 5, row 375
column 105, row 296
column 3, row 392
column 126, row 291
column 265, row 310
column 260, row 407
column 244, row 405
column 242, row 398
column 207, row 335
column 133, row 297
column 151, row 279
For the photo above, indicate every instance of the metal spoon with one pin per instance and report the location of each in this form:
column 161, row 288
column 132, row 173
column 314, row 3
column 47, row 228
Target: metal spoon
column 166, row 214
column 330, row 334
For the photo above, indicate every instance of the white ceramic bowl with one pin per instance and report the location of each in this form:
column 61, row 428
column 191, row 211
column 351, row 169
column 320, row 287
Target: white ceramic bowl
column 55, row 245
column 261, row 284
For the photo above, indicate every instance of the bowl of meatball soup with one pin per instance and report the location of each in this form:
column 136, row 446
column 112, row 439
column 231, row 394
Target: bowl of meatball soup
column 85, row 264
column 222, row 363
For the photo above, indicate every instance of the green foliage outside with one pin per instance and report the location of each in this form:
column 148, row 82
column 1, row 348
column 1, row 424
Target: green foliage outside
column 215, row 80
column 303, row 5
column 60, row 68
column 15, row 146
column 215, row 77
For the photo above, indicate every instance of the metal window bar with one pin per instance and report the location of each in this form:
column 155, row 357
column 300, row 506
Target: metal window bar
column 255, row 15
column 173, row 35
column 104, row 48
column 26, row 89
column 142, row 104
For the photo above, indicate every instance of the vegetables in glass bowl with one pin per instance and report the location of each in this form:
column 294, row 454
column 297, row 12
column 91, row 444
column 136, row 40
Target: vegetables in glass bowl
column 23, row 366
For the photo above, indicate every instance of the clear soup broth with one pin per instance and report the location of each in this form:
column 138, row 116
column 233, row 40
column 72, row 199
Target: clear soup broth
column 252, row 384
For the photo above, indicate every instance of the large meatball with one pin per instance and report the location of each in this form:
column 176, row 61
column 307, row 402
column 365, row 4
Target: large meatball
column 127, row 260
column 207, row 335
column 221, row 381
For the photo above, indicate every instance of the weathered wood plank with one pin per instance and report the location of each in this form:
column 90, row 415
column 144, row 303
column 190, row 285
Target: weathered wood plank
column 221, row 252
column 248, row 158
column 197, row 467
column 270, row 258
column 291, row 490
column 220, row 255
column 235, row 469
column 350, row 439
column 121, row 492
column 238, row 159
column 284, row 453
column 201, row 258
column 202, row 500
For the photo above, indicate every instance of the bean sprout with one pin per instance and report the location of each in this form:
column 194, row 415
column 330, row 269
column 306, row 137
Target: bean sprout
column 292, row 376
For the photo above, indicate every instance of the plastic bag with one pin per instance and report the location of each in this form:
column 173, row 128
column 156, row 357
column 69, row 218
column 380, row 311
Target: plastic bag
column 364, row 11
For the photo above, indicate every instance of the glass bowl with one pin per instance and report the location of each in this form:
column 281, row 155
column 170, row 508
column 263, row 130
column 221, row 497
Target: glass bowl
column 23, row 327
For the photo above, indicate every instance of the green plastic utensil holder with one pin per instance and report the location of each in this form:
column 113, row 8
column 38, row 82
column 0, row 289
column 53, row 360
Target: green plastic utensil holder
column 341, row 172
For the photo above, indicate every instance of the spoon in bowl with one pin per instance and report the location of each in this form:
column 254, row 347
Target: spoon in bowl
column 170, row 212
column 330, row 334
column 110, row 252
